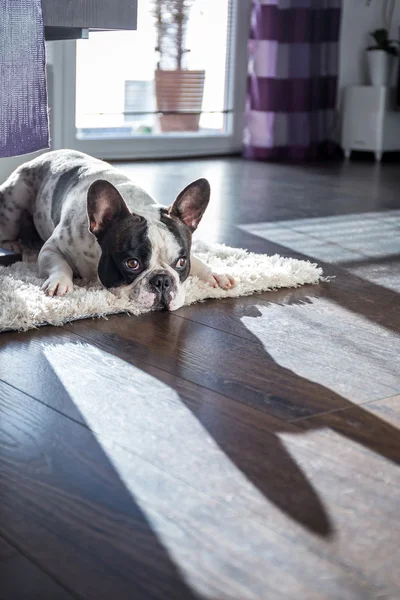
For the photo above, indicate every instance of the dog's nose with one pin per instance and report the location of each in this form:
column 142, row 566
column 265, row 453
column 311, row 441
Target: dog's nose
column 161, row 283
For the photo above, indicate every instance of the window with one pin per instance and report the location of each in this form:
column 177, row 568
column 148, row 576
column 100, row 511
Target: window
column 115, row 76
column 117, row 104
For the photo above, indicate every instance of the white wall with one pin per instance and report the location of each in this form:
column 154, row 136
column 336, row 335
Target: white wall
column 357, row 20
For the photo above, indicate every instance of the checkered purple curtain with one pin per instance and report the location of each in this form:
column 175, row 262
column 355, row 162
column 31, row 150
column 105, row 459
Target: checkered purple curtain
column 24, row 123
column 293, row 68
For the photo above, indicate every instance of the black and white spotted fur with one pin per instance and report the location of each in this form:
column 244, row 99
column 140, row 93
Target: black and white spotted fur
column 95, row 222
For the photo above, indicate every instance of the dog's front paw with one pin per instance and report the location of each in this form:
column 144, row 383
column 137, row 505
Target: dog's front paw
column 57, row 285
column 222, row 280
column 12, row 246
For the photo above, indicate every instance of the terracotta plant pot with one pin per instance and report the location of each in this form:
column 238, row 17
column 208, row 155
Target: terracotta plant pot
column 180, row 92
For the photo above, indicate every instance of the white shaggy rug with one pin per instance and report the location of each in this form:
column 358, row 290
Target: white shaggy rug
column 24, row 306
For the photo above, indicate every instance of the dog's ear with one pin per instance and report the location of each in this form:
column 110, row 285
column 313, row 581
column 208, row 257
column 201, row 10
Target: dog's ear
column 191, row 203
column 104, row 205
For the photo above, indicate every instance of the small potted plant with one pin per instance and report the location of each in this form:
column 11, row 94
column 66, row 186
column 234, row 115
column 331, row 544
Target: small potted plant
column 179, row 91
column 381, row 56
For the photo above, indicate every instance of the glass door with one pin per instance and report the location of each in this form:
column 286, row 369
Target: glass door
column 154, row 92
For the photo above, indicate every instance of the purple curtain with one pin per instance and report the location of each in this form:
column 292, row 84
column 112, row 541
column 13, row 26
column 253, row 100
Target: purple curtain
column 292, row 80
column 23, row 94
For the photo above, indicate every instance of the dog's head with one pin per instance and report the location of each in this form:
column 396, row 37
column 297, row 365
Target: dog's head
column 146, row 257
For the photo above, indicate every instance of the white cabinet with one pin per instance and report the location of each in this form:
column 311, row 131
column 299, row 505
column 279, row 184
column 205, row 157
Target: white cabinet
column 370, row 122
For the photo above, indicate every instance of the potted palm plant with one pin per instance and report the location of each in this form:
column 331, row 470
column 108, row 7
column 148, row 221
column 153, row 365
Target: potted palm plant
column 179, row 91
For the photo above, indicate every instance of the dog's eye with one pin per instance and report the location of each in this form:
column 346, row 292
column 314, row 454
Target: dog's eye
column 132, row 264
column 181, row 263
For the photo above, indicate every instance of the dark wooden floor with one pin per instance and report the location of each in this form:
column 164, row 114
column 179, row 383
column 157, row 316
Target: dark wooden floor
column 243, row 449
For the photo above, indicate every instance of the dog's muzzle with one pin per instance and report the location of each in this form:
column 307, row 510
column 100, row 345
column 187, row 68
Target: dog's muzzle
column 161, row 284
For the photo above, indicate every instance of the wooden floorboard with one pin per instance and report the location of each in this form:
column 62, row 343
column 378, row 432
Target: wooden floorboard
column 242, row 449
column 222, row 438
column 6, row 550
column 314, row 337
column 21, row 579
column 200, row 355
column 243, row 369
column 87, row 503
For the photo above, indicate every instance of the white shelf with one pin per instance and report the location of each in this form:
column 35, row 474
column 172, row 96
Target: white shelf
column 370, row 124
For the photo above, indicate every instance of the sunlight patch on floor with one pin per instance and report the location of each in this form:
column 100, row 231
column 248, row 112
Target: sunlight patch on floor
column 331, row 346
column 336, row 239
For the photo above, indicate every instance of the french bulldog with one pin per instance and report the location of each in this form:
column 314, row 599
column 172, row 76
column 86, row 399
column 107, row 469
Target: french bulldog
column 96, row 223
